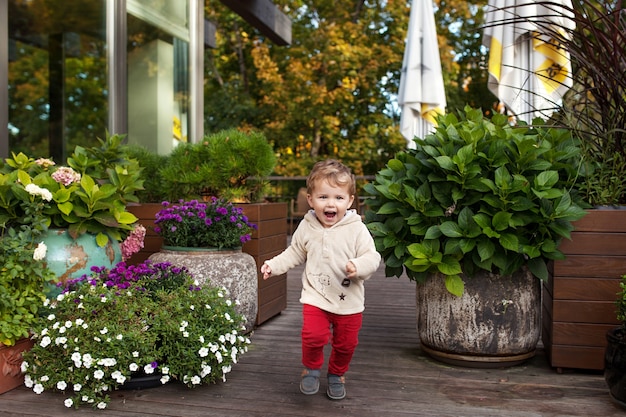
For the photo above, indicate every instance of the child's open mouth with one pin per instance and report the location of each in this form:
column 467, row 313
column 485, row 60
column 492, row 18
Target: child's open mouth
column 330, row 214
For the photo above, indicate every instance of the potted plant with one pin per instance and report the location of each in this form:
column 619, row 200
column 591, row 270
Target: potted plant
column 23, row 276
column 615, row 352
column 478, row 207
column 229, row 164
column 207, row 238
column 114, row 327
column 577, row 300
column 85, row 209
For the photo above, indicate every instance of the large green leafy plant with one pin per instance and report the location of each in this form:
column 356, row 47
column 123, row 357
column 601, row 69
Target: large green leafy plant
column 475, row 194
column 23, row 271
column 89, row 194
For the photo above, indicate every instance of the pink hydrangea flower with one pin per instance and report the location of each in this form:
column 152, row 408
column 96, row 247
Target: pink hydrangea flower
column 66, row 176
column 134, row 242
column 45, row 163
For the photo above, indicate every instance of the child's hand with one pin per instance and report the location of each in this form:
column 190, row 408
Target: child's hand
column 350, row 270
column 266, row 271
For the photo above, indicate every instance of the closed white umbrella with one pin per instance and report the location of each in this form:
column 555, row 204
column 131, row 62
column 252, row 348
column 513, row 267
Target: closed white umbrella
column 528, row 71
column 421, row 95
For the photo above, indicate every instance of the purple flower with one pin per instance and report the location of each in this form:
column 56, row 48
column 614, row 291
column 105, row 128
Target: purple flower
column 216, row 223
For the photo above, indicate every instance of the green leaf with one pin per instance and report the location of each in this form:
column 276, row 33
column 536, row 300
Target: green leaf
column 445, row 162
column 501, row 220
column 65, row 208
column 102, row 239
column 486, row 249
column 449, row 266
column 395, row 165
column 455, row 285
column 538, row 268
column 451, row 229
column 509, row 241
column 388, row 208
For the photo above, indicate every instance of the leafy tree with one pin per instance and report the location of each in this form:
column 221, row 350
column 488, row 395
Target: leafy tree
column 329, row 94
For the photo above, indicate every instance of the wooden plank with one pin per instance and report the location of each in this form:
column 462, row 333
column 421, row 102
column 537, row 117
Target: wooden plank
column 577, row 357
column 587, row 289
column 602, row 220
column 600, row 312
column 264, row 211
column 265, row 245
column 594, row 243
column 590, row 266
column 265, row 16
column 576, row 334
column 270, row 228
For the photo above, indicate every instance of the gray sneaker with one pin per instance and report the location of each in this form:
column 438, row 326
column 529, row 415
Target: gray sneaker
column 310, row 382
column 336, row 387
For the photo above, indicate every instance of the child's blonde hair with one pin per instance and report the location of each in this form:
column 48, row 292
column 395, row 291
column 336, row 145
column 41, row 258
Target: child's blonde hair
column 333, row 171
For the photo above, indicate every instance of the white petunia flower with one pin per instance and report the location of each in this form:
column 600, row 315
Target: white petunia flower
column 38, row 388
column 45, row 341
column 68, row 402
column 61, row 385
column 98, row 374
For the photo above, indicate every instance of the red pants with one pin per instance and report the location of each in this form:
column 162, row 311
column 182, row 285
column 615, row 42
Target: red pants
column 316, row 326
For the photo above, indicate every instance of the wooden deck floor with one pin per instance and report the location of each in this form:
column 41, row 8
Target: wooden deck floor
column 390, row 376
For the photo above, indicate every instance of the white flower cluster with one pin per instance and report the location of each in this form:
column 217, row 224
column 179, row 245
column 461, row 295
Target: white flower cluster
column 36, row 190
column 103, row 354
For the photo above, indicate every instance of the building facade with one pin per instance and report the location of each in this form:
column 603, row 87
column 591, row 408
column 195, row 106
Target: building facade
column 76, row 69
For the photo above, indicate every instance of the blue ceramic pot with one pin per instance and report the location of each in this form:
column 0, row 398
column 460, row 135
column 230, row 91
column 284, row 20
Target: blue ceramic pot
column 69, row 258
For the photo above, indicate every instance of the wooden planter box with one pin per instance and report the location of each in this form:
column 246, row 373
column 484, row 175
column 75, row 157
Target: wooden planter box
column 11, row 375
column 579, row 298
column 268, row 240
column 146, row 213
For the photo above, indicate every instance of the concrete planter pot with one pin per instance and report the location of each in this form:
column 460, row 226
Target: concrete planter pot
column 495, row 323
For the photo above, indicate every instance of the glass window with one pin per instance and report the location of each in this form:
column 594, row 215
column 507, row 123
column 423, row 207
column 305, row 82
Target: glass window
column 158, row 73
column 57, row 75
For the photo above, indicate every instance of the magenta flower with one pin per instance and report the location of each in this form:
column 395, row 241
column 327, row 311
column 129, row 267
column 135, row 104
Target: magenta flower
column 216, row 223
